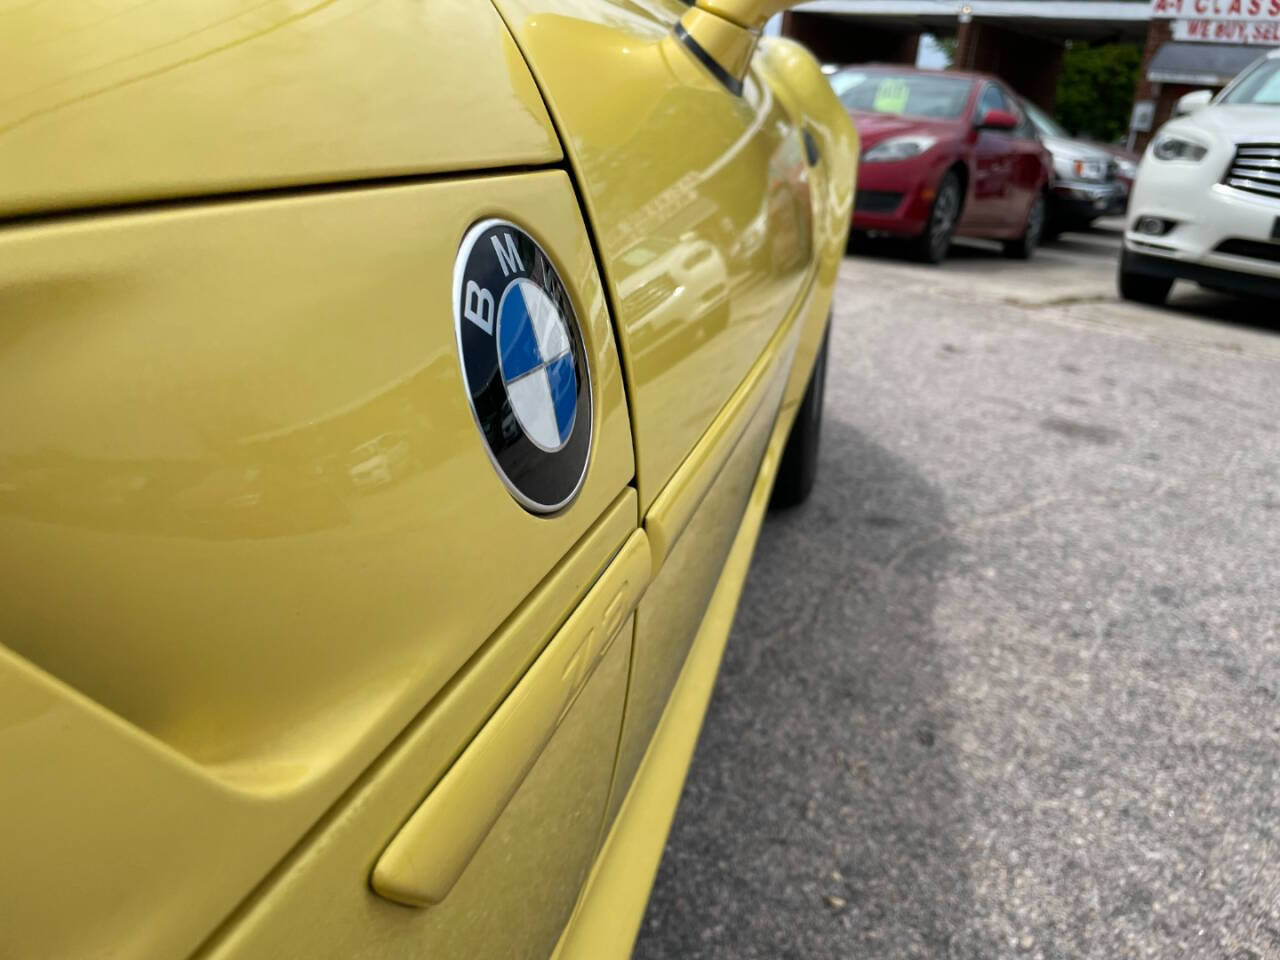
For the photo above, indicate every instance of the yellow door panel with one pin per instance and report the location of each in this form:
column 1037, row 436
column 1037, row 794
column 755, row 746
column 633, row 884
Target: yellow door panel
column 700, row 203
column 752, row 402
column 115, row 101
column 720, row 233
column 251, row 530
column 609, row 912
column 799, row 82
column 693, row 534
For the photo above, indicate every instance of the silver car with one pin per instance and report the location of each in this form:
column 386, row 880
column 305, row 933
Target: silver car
column 1084, row 185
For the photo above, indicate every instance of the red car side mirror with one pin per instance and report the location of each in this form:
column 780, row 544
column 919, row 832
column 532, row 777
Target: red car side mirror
column 998, row 120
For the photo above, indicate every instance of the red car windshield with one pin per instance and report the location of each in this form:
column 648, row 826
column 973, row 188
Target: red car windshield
column 906, row 94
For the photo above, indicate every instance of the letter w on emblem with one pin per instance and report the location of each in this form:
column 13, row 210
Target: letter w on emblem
column 509, row 260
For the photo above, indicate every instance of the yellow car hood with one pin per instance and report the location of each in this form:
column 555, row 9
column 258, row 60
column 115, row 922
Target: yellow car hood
column 120, row 102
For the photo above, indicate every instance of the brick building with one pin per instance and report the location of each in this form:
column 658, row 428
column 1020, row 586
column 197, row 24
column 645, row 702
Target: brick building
column 1023, row 41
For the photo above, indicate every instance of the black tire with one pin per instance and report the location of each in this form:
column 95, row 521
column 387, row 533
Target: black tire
column 932, row 245
column 1141, row 288
column 1032, row 230
column 799, row 467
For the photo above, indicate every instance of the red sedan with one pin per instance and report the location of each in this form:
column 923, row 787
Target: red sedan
column 944, row 153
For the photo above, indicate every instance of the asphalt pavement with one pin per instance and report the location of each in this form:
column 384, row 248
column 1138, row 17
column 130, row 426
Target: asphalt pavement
column 1009, row 684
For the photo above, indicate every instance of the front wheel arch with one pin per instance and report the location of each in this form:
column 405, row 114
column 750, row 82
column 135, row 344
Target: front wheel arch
column 960, row 170
column 1024, row 246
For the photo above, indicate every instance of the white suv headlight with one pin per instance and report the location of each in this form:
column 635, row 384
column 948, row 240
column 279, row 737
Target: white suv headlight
column 898, row 148
column 1173, row 147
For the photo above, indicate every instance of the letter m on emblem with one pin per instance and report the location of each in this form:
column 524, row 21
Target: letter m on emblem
column 508, row 259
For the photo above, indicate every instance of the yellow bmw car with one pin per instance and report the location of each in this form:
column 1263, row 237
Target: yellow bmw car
column 392, row 393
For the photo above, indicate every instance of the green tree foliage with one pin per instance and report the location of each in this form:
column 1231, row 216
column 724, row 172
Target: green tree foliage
column 948, row 46
column 1095, row 89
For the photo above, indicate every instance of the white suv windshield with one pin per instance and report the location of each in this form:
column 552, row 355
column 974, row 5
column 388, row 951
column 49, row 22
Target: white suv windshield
column 1259, row 87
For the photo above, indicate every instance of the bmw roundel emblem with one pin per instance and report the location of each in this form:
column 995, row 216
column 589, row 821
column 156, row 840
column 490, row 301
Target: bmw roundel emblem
column 523, row 363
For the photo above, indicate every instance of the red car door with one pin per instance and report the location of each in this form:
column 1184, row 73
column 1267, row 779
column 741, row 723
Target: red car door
column 990, row 205
column 1030, row 167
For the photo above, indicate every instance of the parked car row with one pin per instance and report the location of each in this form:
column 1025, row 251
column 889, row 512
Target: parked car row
column 955, row 153
column 947, row 153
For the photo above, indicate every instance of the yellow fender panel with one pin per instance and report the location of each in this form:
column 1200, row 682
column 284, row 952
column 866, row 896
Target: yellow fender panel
column 251, row 531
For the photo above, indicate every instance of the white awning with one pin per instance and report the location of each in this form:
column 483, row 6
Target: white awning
column 1204, row 64
column 1113, row 11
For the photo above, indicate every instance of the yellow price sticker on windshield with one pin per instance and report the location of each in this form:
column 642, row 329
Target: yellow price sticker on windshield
column 891, row 96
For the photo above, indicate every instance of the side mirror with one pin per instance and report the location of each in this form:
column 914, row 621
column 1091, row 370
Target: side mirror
column 1191, row 102
column 997, row 120
column 722, row 34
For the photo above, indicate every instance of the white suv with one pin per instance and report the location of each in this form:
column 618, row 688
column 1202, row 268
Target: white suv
column 1206, row 203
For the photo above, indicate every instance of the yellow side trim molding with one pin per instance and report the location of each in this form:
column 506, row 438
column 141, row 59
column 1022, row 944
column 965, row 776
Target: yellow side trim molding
column 428, row 855
column 612, row 905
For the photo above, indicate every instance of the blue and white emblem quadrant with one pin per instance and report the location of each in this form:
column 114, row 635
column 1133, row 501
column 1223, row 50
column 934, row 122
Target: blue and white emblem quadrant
column 536, row 359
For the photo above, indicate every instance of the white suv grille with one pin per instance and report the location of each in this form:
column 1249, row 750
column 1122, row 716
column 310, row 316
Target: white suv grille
column 1256, row 169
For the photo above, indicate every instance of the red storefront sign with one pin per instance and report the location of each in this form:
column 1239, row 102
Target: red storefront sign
column 1256, row 32
column 1218, row 10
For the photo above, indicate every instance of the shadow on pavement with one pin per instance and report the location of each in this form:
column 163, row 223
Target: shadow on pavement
column 1190, row 301
column 984, row 257
column 964, row 250
column 820, row 817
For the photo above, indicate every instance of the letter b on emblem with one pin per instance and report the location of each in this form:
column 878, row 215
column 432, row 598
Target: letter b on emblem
column 477, row 306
